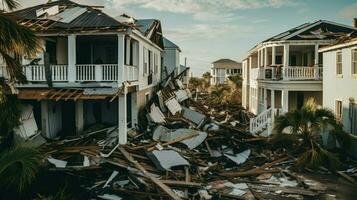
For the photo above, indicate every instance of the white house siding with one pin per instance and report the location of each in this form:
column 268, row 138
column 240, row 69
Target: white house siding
column 339, row 88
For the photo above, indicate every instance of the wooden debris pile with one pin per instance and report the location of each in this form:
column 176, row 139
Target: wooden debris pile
column 184, row 152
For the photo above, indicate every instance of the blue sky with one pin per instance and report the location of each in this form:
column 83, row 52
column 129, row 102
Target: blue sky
column 207, row 30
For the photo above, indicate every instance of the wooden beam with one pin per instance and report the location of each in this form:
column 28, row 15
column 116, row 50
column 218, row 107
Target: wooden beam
column 64, row 93
column 161, row 185
column 70, row 95
column 79, row 95
column 53, row 95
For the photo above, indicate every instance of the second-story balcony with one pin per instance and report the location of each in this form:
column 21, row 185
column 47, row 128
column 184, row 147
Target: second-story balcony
column 83, row 73
column 83, row 58
column 287, row 73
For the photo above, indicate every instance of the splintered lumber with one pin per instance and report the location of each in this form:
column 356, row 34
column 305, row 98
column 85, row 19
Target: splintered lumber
column 182, row 183
column 258, row 170
column 249, row 173
column 208, row 148
column 350, row 179
column 286, row 190
column 156, row 181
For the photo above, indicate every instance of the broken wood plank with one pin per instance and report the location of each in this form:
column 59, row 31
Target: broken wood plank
column 161, row 185
column 350, row 179
column 249, row 173
column 174, row 141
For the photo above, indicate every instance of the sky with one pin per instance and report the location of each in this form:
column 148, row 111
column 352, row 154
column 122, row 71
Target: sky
column 207, row 30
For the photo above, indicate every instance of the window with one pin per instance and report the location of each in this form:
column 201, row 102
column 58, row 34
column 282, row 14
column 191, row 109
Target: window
column 338, row 110
column 156, row 63
column 354, row 61
column 150, row 58
column 145, row 61
column 227, row 71
column 339, row 63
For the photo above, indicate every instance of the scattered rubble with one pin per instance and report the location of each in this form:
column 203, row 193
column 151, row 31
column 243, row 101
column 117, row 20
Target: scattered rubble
column 187, row 151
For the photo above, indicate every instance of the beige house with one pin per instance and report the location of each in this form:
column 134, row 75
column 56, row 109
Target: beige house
column 223, row 68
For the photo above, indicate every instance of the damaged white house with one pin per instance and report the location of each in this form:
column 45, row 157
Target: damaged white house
column 94, row 69
column 281, row 73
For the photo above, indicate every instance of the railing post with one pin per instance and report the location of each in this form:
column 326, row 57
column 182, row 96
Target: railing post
column 121, row 54
column 98, row 73
column 71, row 58
column 316, row 72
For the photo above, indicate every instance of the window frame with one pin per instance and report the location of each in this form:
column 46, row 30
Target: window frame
column 354, row 62
column 339, row 110
column 339, row 63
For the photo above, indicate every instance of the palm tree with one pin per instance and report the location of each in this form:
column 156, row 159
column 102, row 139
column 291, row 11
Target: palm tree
column 236, row 80
column 18, row 167
column 303, row 128
column 15, row 40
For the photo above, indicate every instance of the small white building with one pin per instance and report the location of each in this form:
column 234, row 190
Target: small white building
column 223, row 68
column 283, row 72
column 94, row 69
column 340, row 82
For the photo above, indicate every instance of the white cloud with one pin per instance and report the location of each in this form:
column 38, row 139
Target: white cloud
column 205, row 10
column 348, row 12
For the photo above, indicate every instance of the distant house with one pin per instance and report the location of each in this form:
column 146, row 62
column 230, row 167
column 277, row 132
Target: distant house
column 340, row 82
column 94, row 69
column 171, row 55
column 281, row 73
column 223, row 68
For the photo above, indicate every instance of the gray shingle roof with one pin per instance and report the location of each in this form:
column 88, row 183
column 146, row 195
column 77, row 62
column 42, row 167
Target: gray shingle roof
column 170, row 45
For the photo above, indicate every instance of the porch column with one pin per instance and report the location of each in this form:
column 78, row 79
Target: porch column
column 122, row 118
column 127, row 50
column 286, row 55
column 272, row 99
column 45, row 119
column 265, row 99
column 265, row 57
column 134, row 109
column 121, row 54
column 258, row 58
column 71, row 58
column 285, row 100
column 273, row 49
column 316, row 63
column 79, row 113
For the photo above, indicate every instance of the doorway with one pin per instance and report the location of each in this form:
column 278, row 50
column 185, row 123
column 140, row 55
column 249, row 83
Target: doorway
column 300, row 100
column 68, row 118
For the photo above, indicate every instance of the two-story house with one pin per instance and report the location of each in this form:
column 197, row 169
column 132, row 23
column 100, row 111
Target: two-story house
column 171, row 58
column 284, row 71
column 340, row 82
column 223, row 68
column 94, row 69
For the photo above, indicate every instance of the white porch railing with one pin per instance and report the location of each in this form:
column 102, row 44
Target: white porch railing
column 35, row 72
column 261, row 122
column 59, row 72
column 110, row 72
column 302, row 73
column 85, row 72
column 131, row 73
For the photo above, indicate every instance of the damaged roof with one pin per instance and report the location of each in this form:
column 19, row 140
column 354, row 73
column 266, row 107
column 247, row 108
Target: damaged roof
column 319, row 30
column 170, row 45
column 151, row 28
column 65, row 15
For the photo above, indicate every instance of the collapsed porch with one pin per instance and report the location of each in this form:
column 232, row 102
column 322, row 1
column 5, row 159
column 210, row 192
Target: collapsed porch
column 69, row 112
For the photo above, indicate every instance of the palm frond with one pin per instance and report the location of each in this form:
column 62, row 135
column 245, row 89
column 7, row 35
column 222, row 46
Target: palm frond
column 11, row 4
column 19, row 167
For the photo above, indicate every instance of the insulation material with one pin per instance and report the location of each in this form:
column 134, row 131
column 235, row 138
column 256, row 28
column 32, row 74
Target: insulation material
column 156, row 115
column 166, row 159
column 28, row 126
column 173, row 105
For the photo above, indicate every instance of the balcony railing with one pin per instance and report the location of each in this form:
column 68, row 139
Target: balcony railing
column 82, row 73
column 288, row 73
